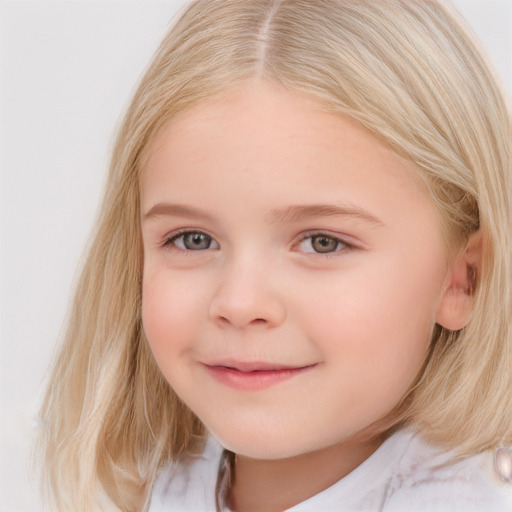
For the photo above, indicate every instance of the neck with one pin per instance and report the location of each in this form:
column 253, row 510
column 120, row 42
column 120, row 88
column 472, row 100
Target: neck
column 275, row 485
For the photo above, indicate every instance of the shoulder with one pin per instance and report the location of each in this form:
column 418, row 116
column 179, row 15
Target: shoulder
column 188, row 486
column 428, row 480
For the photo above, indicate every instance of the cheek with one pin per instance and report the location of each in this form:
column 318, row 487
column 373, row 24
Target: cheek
column 377, row 322
column 168, row 310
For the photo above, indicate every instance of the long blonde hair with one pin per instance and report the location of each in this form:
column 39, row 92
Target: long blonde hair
column 409, row 72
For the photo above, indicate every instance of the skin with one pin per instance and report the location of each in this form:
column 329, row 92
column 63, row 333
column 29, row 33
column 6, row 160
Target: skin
column 347, row 297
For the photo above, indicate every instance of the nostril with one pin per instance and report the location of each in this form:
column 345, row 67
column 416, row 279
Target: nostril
column 257, row 321
column 243, row 306
column 225, row 321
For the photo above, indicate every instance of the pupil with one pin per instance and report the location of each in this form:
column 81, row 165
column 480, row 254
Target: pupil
column 197, row 241
column 324, row 244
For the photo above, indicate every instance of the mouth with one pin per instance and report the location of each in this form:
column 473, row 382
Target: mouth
column 253, row 376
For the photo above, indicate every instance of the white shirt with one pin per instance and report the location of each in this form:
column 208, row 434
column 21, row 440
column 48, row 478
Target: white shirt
column 404, row 475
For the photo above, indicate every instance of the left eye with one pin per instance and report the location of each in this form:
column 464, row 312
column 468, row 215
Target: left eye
column 192, row 241
column 321, row 244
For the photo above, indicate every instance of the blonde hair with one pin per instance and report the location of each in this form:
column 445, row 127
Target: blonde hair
column 409, row 72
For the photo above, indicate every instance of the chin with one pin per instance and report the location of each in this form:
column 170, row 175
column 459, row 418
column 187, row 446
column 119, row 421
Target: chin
column 263, row 444
column 261, row 449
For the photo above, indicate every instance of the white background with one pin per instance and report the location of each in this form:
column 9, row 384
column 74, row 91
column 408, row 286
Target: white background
column 67, row 69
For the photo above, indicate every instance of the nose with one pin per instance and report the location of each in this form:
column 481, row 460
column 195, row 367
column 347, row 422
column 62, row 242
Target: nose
column 247, row 296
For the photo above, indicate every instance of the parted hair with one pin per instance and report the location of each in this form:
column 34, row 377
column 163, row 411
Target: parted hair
column 411, row 73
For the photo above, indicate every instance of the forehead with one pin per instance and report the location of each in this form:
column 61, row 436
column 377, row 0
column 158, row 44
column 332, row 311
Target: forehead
column 268, row 119
column 277, row 147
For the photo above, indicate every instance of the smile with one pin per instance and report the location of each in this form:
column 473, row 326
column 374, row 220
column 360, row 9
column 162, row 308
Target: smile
column 253, row 376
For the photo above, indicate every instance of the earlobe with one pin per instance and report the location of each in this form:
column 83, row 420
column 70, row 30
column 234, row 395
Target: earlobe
column 457, row 301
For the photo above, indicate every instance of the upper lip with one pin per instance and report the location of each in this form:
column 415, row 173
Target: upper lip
column 254, row 366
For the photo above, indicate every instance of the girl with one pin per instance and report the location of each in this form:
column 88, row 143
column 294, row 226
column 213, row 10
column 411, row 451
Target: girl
column 298, row 293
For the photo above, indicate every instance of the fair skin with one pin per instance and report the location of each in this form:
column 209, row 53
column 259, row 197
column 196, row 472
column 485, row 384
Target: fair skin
column 293, row 271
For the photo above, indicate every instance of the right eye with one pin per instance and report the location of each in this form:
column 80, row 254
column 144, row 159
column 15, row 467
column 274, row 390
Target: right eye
column 191, row 241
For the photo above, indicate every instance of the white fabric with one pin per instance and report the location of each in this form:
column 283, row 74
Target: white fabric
column 403, row 475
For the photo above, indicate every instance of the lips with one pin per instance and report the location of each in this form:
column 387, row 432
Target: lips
column 250, row 366
column 253, row 376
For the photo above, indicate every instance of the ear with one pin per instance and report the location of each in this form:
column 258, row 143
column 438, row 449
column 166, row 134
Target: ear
column 457, row 301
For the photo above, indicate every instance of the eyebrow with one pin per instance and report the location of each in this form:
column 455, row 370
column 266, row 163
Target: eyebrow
column 174, row 210
column 293, row 213
column 296, row 213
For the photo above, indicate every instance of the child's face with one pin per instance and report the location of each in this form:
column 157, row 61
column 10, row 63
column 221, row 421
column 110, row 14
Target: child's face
column 293, row 270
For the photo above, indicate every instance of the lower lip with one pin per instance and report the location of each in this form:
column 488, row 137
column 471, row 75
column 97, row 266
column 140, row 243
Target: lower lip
column 255, row 380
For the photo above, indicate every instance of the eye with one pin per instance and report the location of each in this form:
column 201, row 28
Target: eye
column 192, row 241
column 322, row 244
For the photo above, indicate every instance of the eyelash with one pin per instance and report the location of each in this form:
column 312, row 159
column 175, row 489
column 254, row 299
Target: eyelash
column 341, row 245
column 170, row 241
